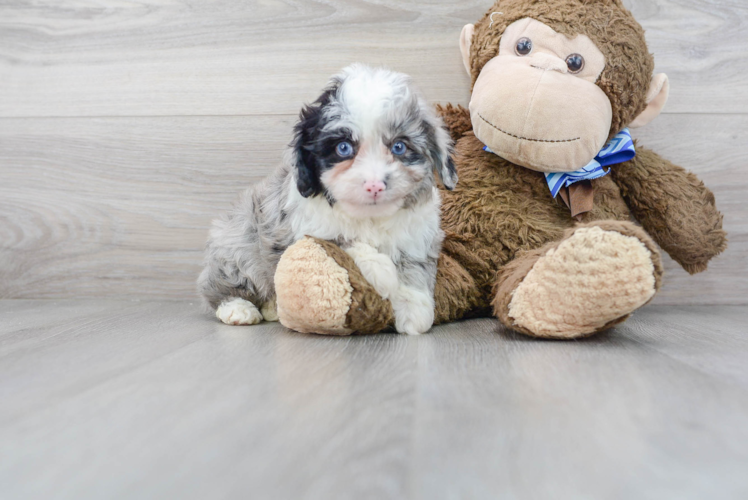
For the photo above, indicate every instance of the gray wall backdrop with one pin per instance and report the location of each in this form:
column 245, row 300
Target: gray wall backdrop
column 125, row 127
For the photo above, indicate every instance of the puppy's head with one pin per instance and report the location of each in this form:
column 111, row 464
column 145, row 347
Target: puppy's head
column 371, row 143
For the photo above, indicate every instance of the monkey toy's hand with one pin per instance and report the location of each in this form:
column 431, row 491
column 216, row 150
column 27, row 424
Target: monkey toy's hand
column 674, row 207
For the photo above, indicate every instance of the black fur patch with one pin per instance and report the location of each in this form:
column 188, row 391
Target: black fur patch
column 305, row 143
column 316, row 149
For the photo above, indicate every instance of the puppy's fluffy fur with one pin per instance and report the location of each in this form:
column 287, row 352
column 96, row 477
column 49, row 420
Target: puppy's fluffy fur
column 360, row 172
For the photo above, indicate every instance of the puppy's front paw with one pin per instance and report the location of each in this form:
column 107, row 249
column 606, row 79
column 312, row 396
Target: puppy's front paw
column 238, row 312
column 377, row 268
column 414, row 311
column 269, row 311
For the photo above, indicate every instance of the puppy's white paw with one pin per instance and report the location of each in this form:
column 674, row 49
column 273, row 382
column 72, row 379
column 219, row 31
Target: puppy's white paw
column 269, row 311
column 238, row 312
column 414, row 311
column 377, row 268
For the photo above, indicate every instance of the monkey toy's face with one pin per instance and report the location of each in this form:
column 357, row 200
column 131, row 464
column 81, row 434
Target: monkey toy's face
column 537, row 103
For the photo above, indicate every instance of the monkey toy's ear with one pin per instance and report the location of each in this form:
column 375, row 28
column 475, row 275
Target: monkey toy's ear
column 466, row 40
column 657, row 96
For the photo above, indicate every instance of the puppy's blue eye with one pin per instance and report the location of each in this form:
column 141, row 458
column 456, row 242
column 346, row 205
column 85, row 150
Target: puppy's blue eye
column 399, row 148
column 344, row 149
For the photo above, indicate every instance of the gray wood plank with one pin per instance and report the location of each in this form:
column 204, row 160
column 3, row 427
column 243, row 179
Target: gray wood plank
column 117, row 206
column 711, row 340
column 603, row 418
column 156, row 400
column 161, row 395
column 94, row 207
column 228, row 58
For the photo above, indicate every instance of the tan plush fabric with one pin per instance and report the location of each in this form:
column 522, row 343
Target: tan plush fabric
column 532, row 111
column 629, row 65
column 582, row 284
column 560, row 126
column 313, row 291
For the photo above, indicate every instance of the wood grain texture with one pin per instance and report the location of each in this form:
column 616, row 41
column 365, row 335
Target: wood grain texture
column 178, row 57
column 112, row 399
column 121, row 206
column 126, row 127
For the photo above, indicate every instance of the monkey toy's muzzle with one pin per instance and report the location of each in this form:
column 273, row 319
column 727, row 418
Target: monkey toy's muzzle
column 536, row 114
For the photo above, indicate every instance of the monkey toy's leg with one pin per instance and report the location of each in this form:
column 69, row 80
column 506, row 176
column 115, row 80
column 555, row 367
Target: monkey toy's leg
column 321, row 290
column 456, row 293
column 590, row 280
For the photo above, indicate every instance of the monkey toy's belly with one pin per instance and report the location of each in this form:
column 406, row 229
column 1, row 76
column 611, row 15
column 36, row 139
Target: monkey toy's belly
column 499, row 209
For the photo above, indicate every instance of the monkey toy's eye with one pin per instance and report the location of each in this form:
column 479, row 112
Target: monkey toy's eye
column 399, row 148
column 524, row 46
column 575, row 63
column 344, row 149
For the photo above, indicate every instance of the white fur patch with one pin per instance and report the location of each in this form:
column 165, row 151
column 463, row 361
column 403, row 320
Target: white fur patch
column 410, row 231
column 414, row 311
column 377, row 268
column 238, row 312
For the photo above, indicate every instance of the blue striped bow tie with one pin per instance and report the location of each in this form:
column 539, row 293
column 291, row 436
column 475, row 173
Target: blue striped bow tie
column 618, row 150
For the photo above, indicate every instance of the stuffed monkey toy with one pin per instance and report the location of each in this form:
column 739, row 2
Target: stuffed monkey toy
column 555, row 224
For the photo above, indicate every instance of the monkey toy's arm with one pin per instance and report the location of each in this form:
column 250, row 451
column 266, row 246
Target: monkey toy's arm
column 456, row 119
column 674, row 207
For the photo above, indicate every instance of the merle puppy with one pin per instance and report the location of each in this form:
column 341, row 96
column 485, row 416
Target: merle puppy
column 359, row 172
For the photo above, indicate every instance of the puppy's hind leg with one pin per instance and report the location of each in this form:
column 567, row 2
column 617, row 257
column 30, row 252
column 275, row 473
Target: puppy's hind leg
column 227, row 298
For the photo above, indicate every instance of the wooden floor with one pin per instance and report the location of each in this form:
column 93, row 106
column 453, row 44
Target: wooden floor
column 119, row 399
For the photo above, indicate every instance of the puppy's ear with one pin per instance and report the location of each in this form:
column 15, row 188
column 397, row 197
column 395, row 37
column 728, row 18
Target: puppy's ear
column 304, row 144
column 448, row 173
column 440, row 152
column 307, row 177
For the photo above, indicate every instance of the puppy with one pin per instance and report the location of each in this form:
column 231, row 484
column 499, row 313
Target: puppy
column 359, row 172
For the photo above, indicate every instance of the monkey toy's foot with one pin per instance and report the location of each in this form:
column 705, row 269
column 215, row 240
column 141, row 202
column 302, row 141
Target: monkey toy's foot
column 321, row 290
column 587, row 282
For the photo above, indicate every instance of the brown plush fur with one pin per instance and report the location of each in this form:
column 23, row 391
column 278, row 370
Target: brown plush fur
column 456, row 119
column 500, row 210
column 675, row 207
column 455, row 294
column 369, row 313
column 629, row 65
